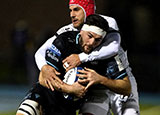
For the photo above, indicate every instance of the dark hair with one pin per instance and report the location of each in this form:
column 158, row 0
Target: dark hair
column 97, row 20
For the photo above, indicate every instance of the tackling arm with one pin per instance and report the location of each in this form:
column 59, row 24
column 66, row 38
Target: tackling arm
column 121, row 86
column 106, row 50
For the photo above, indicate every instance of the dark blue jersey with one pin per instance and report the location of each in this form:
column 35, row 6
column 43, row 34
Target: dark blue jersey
column 53, row 102
column 68, row 43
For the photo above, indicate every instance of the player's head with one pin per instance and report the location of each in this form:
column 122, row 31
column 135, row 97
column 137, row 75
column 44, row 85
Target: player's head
column 79, row 10
column 93, row 32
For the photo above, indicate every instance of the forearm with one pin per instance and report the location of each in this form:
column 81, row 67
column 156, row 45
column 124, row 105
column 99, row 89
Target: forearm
column 62, row 87
column 65, row 88
column 76, row 89
column 121, row 86
column 109, row 48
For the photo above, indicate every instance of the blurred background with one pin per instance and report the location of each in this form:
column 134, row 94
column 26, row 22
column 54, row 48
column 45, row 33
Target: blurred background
column 26, row 24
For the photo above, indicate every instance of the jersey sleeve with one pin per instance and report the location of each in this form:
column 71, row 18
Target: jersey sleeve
column 106, row 50
column 53, row 54
column 116, row 69
column 112, row 22
column 66, row 29
column 53, row 57
column 40, row 53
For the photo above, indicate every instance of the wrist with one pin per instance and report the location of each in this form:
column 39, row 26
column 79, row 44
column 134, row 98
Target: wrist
column 44, row 67
column 47, row 67
column 66, row 88
column 103, row 80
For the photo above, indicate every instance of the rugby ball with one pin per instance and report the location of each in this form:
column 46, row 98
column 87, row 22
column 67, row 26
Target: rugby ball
column 69, row 78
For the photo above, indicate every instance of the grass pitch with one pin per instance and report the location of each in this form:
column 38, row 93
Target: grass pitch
column 145, row 110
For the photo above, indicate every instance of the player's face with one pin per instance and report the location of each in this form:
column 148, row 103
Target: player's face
column 77, row 16
column 89, row 41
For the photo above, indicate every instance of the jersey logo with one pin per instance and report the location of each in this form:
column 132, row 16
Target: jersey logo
column 52, row 55
column 55, row 50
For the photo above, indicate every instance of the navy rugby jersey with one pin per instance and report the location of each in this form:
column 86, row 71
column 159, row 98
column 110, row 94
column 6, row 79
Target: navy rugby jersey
column 67, row 43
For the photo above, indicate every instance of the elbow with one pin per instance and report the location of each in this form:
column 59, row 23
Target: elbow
column 116, row 50
column 116, row 47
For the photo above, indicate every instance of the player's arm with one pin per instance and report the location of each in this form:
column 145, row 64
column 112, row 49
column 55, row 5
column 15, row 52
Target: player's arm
column 48, row 76
column 76, row 89
column 110, row 45
column 107, row 49
column 46, row 70
column 40, row 53
column 53, row 59
column 115, row 76
column 121, row 86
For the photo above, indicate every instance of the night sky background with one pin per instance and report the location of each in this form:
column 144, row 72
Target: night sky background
column 26, row 24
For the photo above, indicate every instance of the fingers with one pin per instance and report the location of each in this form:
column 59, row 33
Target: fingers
column 45, row 84
column 57, row 79
column 83, row 71
column 87, row 69
column 57, row 73
column 71, row 61
column 66, row 65
column 70, row 67
column 50, row 85
column 65, row 60
column 81, row 75
column 88, row 85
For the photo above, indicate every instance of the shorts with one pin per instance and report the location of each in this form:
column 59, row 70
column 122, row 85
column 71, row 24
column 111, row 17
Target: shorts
column 119, row 104
column 97, row 103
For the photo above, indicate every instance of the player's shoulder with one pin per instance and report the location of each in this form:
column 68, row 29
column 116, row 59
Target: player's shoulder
column 66, row 28
column 68, row 36
column 111, row 21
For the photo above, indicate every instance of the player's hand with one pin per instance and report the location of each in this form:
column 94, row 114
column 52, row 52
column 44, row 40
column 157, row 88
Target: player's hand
column 78, row 90
column 89, row 77
column 48, row 77
column 71, row 61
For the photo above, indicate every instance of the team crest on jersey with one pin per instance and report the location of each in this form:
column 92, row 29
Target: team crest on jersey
column 52, row 55
column 55, row 50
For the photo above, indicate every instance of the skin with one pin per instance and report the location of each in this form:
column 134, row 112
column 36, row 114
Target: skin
column 77, row 16
column 88, row 41
column 49, row 77
column 87, row 45
column 93, row 78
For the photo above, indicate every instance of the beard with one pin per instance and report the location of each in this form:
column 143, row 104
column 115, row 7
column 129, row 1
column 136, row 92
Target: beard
column 86, row 49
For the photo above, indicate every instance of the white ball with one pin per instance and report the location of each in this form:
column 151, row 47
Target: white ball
column 69, row 78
